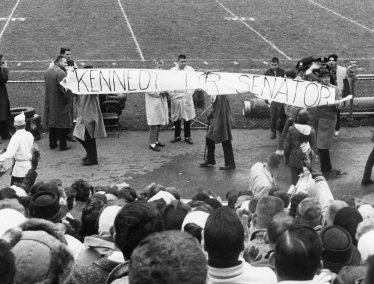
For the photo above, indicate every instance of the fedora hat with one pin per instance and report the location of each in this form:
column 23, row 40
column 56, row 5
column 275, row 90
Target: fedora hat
column 338, row 249
column 45, row 205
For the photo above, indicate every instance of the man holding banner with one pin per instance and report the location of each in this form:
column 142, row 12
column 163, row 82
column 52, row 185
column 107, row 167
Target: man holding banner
column 324, row 121
column 182, row 106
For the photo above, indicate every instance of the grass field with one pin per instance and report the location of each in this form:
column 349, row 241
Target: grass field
column 225, row 35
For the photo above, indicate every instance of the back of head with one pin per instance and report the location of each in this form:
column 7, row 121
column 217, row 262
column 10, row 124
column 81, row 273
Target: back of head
column 334, row 207
column 133, row 223
column 166, row 258
column 201, row 195
column 291, row 74
column 273, row 161
column 303, row 117
column 298, row 253
column 223, row 235
column 41, row 256
column 91, row 213
column 266, row 208
column 127, row 193
column 348, row 218
column 8, row 193
column 295, row 200
column 280, row 223
column 174, row 214
column 349, row 199
column 83, row 190
column 309, row 212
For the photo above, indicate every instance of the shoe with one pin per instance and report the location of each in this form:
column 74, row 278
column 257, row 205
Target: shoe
column 227, row 168
column 333, row 174
column 84, row 159
column 273, row 135
column 160, row 144
column 336, row 133
column 154, row 148
column 71, row 138
column 207, row 164
column 66, row 148
column 89, row 163
column 188, row 140
column 52, row 147
column 365, row 182
column 176, row 139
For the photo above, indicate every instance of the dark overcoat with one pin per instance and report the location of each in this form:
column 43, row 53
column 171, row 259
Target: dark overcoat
column 220, row 127
column 57, row 103
column 4, row 99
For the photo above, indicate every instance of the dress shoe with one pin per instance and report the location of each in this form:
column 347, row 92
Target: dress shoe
column 89, row 162
column 66, row 148
column 207, row 164
column 154, row 148
column 84, row 159
column 227, row 168
column 176, row 139
column 273, row 135
column 188, row 140
column 366, row 182
column 160, row 144
column 71, row 138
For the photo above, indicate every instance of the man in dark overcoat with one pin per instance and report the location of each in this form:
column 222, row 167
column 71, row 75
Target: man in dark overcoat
column 57, row 114
column 220, row 132
column 4, row 100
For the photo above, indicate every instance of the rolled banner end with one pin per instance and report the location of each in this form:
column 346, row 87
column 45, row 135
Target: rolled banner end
column 347, row 98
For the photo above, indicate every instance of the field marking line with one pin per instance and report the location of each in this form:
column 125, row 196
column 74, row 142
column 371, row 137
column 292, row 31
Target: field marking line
column 131, row 31
column 8, row 20
column 253, row 30
column 341, row 16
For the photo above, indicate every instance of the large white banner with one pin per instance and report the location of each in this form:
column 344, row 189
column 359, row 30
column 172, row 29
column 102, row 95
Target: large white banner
column 114, row 81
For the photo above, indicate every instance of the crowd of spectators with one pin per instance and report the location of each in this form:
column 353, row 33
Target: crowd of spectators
column 116, row 234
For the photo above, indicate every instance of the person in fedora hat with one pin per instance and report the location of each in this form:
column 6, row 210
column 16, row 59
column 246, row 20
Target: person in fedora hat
column 20, row 149
column 338, row 249
column 45, row 205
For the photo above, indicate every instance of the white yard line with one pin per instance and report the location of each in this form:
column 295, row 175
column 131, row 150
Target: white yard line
column 132, row 32
column 253, row 30
column 341, row 16
column 8, row 20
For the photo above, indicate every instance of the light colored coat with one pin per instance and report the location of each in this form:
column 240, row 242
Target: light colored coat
column 89, row 117
column 156, row 108
column 20, row 149
column 182, row 106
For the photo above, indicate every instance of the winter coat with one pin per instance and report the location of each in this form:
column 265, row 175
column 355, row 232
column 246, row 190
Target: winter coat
column 4, row 99
column 182, row 106
column 89, row 117
column 156, row 108
column 57, row 104
column 297, row 134
column 220, row 126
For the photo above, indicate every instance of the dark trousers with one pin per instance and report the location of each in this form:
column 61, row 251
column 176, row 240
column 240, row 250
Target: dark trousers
column 154, row 131
column 337, row 126
column 277, row 117
column 369, row 166
column 16, row 180
column 89, row 144
column 187, row 128
column 295, row 172
column 227, row 152
column 324, row 158
column 4, row 129
column 58, row 134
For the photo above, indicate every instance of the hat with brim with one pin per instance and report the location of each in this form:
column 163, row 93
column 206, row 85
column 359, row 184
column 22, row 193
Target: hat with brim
column 338, row 249
column 45, row 205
